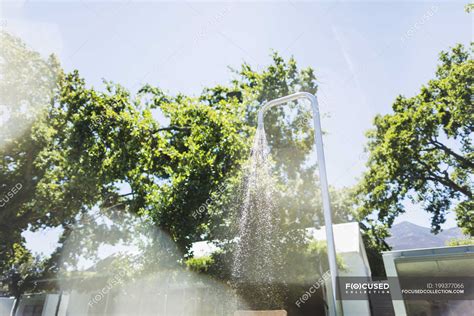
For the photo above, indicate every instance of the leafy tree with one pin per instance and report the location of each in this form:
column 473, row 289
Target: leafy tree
column 289, row 134
column 290, row 138
column 423, row 153
column 86, row 149
column 27, row 86
column 61, row 162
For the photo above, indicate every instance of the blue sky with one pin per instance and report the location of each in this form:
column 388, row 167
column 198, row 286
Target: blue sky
column 364, row 53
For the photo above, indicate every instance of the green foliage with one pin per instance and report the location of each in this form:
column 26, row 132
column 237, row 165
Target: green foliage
column 423, row 151
column 469, row 7
column 309, row 265
column 27, row 86
column 460, row 242
column 200, row 264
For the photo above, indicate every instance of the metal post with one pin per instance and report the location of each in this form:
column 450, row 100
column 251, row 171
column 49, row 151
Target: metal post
column 318, row 139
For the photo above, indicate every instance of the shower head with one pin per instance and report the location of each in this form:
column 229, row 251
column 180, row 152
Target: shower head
column 299, row 95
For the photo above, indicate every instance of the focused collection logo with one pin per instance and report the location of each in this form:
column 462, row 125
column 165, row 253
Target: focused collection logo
column 367, row 287
column 361, row 288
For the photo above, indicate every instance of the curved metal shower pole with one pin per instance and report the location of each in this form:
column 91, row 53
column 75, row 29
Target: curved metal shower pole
column 318, row 139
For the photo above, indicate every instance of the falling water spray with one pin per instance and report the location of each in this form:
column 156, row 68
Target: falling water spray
column 257, row 262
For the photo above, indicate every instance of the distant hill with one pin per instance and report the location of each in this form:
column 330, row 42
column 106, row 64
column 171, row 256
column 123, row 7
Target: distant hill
column 406, row 235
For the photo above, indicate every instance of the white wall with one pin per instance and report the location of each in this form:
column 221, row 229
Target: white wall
column 350, row 248
column 6, row 305
column 50, row 304
column 355, row 266
column 62, row 311
column 78, row 304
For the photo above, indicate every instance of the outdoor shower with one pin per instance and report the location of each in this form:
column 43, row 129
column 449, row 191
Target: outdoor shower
column 323, row 178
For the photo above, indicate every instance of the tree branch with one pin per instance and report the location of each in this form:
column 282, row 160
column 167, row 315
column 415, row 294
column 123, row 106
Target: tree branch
column 445, row 180
column 174, row 128
column 449, row 183
column 463, row 160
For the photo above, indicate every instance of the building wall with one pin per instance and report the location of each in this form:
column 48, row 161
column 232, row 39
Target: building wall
column 31, row 304
column 429, row 262
column 78, row 303
column 50, row 304
column 6, row 305
column 355, row 266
